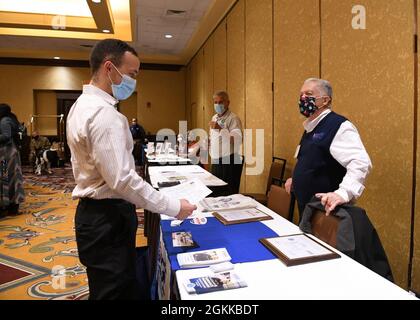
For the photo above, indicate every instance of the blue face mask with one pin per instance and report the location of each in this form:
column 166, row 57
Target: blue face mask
column 125, row 89
column 219, row 108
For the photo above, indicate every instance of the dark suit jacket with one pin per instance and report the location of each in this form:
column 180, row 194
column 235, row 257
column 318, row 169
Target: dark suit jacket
column 356, row 236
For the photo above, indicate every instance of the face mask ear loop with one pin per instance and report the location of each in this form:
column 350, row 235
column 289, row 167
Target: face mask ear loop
column 117, row 71
column 110, row 79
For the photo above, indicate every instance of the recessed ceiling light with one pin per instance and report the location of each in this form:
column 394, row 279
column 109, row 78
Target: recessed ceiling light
column 97, row 1
column 57, row 58
column 168, row 36
column 106, row 31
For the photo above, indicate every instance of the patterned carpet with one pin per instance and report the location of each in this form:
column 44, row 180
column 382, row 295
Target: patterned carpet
column 38, row 252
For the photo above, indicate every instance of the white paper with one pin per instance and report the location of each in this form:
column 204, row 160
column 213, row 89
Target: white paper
column 194, row 191
column 159, row 147
column 150, row 148
column 203, row 258
column 182, row 173
column 169, row 158
column 298, row 246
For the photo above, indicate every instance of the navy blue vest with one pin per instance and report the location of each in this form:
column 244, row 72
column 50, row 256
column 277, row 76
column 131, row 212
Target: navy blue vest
column 316, row 170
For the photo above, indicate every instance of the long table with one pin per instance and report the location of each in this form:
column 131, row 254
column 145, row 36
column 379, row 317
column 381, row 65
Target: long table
column 270, row 279
column 152, row 220
column 183, row 173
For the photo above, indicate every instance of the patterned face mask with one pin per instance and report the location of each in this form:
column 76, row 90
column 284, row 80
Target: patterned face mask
column 307, row 106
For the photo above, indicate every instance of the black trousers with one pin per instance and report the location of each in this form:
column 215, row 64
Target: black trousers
column 106, row 241
column 230, row 172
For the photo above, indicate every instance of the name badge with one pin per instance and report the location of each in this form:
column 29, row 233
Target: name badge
column 297, row 152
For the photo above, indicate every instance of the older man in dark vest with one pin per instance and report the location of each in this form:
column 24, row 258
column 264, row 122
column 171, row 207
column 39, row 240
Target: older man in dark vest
column 332, row 162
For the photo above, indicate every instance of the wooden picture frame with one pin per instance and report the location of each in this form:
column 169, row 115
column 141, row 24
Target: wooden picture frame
column 219, row 217
column 301, row 260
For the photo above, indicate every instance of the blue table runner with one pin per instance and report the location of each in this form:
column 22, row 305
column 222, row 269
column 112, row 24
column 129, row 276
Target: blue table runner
column 240, row 240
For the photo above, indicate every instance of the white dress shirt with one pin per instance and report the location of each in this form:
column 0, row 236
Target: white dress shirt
column 101, row 155
column 347, row 148
column 221, row 144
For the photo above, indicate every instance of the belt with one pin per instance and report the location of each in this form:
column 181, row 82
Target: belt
column 103, row 201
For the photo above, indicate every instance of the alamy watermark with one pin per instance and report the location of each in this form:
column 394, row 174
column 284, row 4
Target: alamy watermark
column 58, row 275
column 219, row 146
column 359, row 17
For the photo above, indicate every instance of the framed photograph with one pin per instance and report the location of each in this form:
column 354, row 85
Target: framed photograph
column 298, row 249
column 183, row 239
column 241, row 216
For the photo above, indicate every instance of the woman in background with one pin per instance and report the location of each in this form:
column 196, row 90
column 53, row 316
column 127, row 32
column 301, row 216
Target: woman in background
column 11, row 179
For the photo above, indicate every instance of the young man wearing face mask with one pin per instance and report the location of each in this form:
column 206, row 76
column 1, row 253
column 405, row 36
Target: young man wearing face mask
column 332, row 162
column 108, row 187
column 226, row 142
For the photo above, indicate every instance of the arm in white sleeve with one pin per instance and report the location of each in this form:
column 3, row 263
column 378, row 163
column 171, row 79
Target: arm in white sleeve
column 236, row 134
column 112, row 159
column 347, row 148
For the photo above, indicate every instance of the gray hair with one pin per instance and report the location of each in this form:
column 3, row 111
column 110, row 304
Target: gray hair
column 323, row 85
column 222, row 94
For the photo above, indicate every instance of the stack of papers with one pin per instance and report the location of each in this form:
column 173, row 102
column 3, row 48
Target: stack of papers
column 194, row 191
column 159, row 174
column 203, row 258
column 233, row 202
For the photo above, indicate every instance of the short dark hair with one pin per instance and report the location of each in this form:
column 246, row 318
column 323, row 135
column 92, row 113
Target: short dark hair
column 109, row 49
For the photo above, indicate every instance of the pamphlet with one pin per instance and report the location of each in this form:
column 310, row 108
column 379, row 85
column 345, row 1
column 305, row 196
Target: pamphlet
column 202, row 258
column 216, row 282
column 183, row 239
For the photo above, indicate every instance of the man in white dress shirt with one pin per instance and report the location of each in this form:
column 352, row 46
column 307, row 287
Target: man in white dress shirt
column 332, row 162
column 108, row 187
column 226, row 142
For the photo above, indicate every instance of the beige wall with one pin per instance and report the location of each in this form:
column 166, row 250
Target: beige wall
column 372, row 74
column 377, row 82
column 258, row 84
column 17, row 85
column 294, row 61
column 30, row 90
column 165, row 90
column 236, row 66
column 129, row 107
column 416, row 256
column 220, row 63
column 45, row 104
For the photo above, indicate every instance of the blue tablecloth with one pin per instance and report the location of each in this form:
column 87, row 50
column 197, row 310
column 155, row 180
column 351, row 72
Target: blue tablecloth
column 240, row 240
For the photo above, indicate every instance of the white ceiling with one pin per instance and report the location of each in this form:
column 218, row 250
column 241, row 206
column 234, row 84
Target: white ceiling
column 152, row 23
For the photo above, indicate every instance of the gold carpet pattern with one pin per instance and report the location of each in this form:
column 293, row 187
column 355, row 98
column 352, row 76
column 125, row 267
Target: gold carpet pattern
column 38, row 251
